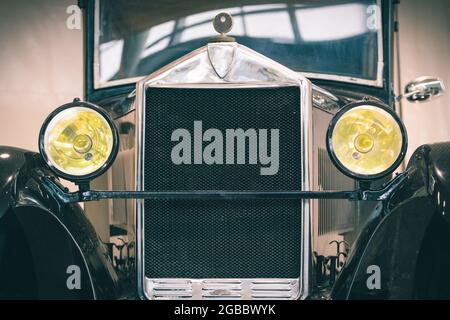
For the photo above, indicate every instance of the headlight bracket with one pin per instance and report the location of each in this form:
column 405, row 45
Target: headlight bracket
column 85, row 194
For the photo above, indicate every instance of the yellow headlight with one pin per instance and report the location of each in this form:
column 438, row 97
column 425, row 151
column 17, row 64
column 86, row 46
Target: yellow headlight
column 366, row 141
column 78, row 141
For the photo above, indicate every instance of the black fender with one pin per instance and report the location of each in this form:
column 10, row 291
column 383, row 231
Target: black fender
column 407, row 238
column 44, row 242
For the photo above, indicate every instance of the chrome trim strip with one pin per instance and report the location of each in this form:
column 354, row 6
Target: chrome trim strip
column 113, row 83
column 213, row 289
column 250, row 70
column 139, row 154
column 326, row 93
column 317, row 76
column 307, row 183
column 374, row 83
column 321, row 76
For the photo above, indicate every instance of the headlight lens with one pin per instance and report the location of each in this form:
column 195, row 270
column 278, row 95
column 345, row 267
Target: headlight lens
column 78, row 141
column 366, row 141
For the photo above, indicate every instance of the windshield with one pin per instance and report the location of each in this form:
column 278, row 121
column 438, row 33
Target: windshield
column 337, row 40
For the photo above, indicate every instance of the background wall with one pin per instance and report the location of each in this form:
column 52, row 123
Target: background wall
column 424, row 46
column 41, row 67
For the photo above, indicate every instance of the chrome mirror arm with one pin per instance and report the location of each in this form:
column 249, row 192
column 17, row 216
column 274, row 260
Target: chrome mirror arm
column 407, row 95
column 422, row 89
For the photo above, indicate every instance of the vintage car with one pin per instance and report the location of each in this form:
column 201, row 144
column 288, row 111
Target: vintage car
column 252, row 163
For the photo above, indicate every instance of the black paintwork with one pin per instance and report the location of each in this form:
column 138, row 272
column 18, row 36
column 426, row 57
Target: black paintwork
column 385, row 93
column 395, row 224
column 41, row 237
column 408, row 236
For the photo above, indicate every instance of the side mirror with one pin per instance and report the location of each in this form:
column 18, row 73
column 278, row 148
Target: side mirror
column 423, row 89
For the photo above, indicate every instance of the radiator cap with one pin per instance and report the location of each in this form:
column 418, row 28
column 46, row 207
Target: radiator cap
column 223, row 23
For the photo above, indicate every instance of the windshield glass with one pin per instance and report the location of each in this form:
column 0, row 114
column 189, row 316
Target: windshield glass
column 338, row 40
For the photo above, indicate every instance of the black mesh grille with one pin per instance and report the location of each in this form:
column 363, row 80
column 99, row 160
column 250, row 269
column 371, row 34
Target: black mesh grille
column 221, row 238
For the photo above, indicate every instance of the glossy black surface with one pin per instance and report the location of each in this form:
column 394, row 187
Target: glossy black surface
column 41, row 237
column 407, row 237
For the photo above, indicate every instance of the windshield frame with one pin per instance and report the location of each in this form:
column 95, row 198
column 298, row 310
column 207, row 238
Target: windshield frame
column 378, row 82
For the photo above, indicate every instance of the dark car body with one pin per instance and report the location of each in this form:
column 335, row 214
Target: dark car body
column 42, row 238
column 405, row 234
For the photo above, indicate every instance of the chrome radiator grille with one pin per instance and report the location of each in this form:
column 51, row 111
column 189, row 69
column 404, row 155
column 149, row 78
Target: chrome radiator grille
column 221, row 248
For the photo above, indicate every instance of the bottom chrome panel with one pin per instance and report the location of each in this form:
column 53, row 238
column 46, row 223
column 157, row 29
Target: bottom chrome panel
column 210, row 289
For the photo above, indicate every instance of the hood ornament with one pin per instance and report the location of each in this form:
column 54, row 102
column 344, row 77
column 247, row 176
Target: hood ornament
column 222, row 49
column 223, row 23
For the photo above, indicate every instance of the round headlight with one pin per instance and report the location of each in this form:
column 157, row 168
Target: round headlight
column 78, row 141
column 366, row 140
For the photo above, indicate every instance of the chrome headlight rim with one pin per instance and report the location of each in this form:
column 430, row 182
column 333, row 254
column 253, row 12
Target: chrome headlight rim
column 340, row 166
column 79, row 179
